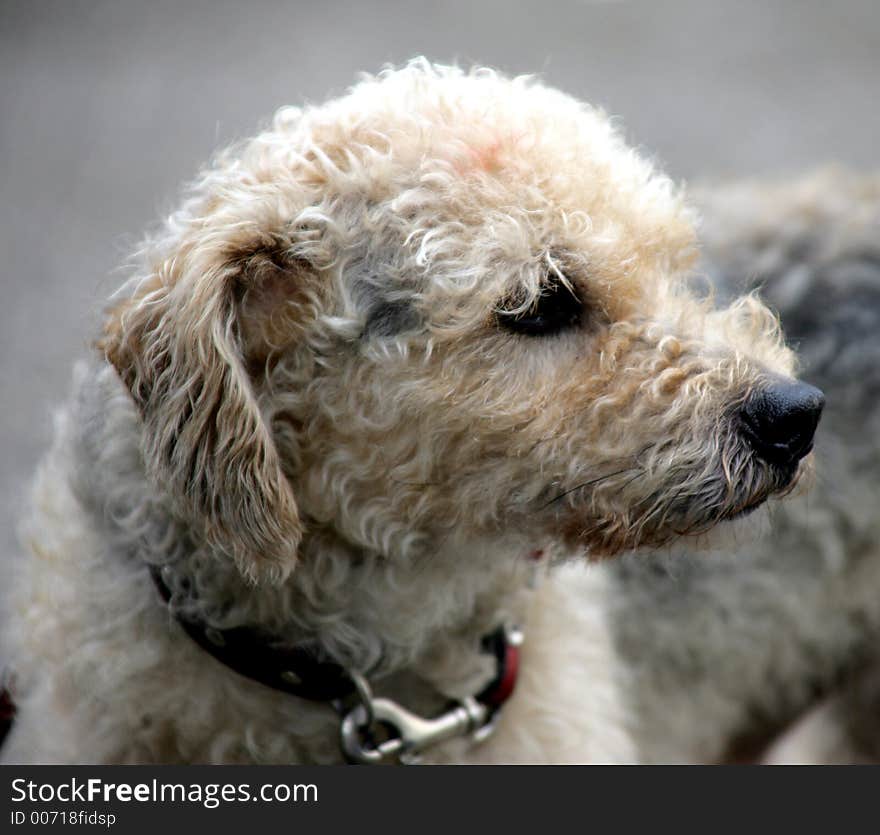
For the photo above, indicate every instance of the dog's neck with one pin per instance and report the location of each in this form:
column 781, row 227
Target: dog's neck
column 372, row 612
column 368, row 611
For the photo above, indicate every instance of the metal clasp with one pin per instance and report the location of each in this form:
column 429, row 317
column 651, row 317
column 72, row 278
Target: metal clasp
column 381, row 731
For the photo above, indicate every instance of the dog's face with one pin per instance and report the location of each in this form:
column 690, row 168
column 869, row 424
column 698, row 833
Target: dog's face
column 449, row 302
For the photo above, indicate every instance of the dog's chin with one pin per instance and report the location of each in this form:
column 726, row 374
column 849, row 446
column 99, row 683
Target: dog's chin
column 697, row 517
column 775, row 482
column 748, row 510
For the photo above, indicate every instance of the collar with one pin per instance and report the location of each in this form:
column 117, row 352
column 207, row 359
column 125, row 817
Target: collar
column 7, row 713
column 308, row 672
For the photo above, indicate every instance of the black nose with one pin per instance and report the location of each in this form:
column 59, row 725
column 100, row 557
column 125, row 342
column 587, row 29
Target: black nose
column 779, row 421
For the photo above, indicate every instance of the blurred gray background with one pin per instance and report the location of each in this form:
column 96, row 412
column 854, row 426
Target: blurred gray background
column 105, row 107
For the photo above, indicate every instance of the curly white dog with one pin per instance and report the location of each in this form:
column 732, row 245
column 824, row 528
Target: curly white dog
column 392, row 370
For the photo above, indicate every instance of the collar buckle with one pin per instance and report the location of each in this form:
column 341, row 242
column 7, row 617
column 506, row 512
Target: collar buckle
column 380, row 731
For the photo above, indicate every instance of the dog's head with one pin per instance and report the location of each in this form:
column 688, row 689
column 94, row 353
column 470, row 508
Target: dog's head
column 448, row 302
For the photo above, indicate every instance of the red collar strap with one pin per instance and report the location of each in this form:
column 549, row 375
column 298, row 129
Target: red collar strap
column 504, row 643
column 308, row 672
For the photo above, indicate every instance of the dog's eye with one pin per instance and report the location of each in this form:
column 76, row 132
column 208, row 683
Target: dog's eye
column 555, row 310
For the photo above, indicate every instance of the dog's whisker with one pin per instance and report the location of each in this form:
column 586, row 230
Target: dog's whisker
column 590, row 483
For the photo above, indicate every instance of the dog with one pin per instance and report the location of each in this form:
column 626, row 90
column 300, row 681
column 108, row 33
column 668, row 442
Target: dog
column 399, row 374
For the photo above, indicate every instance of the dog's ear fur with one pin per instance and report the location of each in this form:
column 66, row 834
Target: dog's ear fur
column 176, row 342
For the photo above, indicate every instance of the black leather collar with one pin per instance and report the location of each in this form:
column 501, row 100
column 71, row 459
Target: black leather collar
column 305, row 670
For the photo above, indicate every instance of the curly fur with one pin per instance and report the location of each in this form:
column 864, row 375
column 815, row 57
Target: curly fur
column 305, row 410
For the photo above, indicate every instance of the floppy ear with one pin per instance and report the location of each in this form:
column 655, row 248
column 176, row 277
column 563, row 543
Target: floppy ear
column 176, row 343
